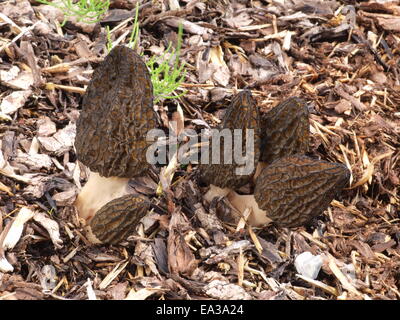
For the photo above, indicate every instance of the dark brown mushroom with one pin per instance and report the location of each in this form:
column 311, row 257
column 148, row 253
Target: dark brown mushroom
column 284, row 130
column 222, row 177
column 117, row 112
column 293, row 190
column 297, row 188
column 117, row 219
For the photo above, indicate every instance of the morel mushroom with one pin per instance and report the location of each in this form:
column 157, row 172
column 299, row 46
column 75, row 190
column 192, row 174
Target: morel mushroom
column 293, row 190
column 284, row 130
column 117, row 112
column 117, row 219
column 243, row 115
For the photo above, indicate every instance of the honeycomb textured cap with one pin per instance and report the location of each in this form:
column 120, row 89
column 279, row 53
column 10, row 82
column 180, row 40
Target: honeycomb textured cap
column 285, row 130
column 117, row 112
column 116, row 220
column 242, row 114
column 295, row 189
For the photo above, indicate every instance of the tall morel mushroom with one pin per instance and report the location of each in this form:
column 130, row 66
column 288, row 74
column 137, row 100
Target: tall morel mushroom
column 242, row 114
column 117, row 112
column 284, row 130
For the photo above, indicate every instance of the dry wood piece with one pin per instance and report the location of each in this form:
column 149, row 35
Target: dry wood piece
column 117, row 219
column 117, row 112
column 242, row 114
column 284, row 130
column 295, row 189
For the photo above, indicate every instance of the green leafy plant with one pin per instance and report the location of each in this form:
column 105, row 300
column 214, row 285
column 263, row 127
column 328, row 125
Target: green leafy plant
column 133, row 39
column 88, row 11
column 166, row 78
column 109, row 41
column 167, row 74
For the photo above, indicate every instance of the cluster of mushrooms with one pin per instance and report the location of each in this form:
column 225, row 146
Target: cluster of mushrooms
column 117, row 112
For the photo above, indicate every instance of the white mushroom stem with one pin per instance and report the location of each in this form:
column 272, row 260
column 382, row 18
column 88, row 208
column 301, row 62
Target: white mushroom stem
column 97, row 192
column 215, row 191
column 257, row 216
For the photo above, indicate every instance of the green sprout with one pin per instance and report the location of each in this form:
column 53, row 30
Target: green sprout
column 167, row 79
column 164, row 77
column 109, row 41
column 51, row 211
column 87, row 11
column 133, row 39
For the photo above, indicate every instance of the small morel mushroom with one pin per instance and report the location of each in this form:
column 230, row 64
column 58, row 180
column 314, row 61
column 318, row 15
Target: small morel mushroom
column 284, row 130
column 293, row 190
column 117, row 112
column 242, row 115
column 117, row 219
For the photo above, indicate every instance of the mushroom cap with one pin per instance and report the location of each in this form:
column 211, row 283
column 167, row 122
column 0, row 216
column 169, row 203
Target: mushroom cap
column 285, row 130
column 242, row 114
column 117, row 112
column 118, row 218
column 295, row 189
